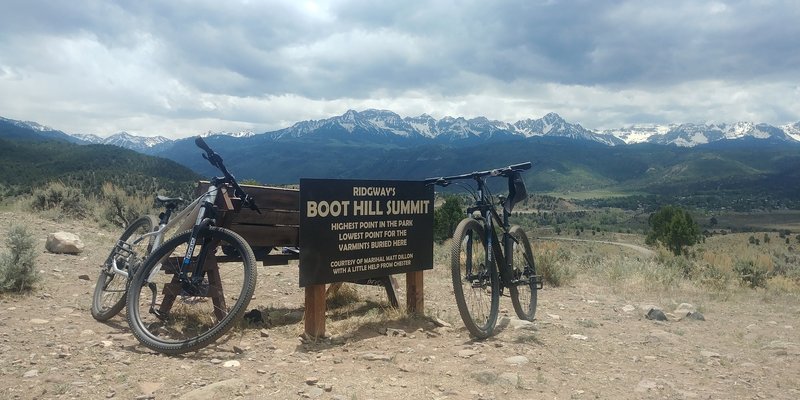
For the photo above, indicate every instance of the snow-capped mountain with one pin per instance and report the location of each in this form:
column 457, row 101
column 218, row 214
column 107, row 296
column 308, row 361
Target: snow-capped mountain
column 792, row 130
column 34, row 126
column 237, row 134
column 638, row 133
column 690, row 135
column 380, row 126
column 388, row 124
column 89, row 138
column 137, row 143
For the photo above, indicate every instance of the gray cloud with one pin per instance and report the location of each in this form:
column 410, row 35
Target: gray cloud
column 177, row 68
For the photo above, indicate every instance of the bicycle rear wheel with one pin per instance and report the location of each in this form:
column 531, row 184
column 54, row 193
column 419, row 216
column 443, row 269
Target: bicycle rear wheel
column 170, row 317
column 523, row 287
column 475, row 284
column 109, row 291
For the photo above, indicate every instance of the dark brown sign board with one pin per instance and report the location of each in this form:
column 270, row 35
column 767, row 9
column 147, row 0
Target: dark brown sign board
column 361, row 229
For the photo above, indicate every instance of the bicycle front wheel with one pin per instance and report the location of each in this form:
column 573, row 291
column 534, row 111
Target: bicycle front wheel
column 174, row 317
column 475, row 282
column 127, row 254
column 523, row 287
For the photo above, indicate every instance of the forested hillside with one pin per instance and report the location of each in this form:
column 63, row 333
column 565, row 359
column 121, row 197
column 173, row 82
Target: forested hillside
column 27, row 164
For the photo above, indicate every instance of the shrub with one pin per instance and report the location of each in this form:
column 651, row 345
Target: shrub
column 121, row 208
column 552, row 266
column 714, row 278
column 751, row 273
column 18, row 265
column 64, row 199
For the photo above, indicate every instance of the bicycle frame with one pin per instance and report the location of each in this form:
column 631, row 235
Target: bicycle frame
column 198, row 211
column 490, row 217
column 156, row 237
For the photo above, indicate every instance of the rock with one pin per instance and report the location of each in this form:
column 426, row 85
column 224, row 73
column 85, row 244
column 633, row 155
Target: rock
column 517, row 360
column 645, row 385
column 485, row 377
column 709, row 354
column 64, row 243
column 84, row 277
column 264, row 333
column 395, row 332
column 312, row 380
column 628, row 308
column 375, row 357
column 554, row 316
column 231, row 364
column 441, row 323
column 695, row 316
column 312, row 392
column 521, row 324
column 238, row 349
column 148, row 388
column 219, row 390
column 656, row 315
column 509, row 379
column 39, row 321
column 467, row 353
column 684, row 309
column 578, row 337
column 31, row 374
column 254, row 317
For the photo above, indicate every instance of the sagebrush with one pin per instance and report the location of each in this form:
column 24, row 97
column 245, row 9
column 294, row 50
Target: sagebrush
column 18, row 262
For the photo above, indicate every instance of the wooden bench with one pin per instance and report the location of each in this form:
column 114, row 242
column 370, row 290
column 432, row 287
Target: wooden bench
column 277, row 226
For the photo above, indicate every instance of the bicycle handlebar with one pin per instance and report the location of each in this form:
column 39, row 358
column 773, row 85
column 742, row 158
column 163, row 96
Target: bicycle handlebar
column 445, row 180
column 216, row 160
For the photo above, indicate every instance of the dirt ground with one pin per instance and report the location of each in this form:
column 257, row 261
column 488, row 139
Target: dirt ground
column 588, row 341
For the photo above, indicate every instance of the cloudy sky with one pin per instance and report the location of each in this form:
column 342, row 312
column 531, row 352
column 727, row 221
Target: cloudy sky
column 179, row 68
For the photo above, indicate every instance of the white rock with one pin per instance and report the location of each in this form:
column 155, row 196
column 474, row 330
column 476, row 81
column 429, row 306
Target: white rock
column 517, row 360
column 231, row 364
column 64, row 242
column 628, row 308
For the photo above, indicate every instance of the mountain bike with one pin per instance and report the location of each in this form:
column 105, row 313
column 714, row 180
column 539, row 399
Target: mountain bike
column 189, row 292
column 482, row 266
column 132, row 248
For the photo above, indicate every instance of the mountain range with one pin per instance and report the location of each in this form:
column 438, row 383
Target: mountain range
column 742, row 165
column 377, row 126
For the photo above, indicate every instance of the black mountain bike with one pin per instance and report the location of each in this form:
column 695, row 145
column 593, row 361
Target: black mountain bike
column 189, row 292
column 477, row 255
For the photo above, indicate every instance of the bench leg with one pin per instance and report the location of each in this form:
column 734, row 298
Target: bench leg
column 315, row 311
column 415, row 299
column 214, row 281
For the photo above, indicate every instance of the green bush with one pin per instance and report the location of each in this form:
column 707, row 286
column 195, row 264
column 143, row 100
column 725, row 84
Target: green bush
column 64, row 199
column 750, row 273
column 18, row 264
column 121, row 208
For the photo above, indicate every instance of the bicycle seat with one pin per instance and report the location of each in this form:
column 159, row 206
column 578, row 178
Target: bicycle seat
column 169, row 200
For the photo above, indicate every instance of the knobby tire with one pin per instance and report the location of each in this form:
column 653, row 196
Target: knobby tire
column 110, row 290
column 478, row 297
column 193, row 320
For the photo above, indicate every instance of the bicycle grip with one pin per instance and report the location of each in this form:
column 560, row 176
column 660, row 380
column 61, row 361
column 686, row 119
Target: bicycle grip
column 202, row 144
column 522, row 166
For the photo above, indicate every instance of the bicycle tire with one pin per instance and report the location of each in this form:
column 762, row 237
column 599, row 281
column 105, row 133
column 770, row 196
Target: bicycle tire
column 475, row 284
column 524, row 292
column 190, row 321
column 110, row 290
